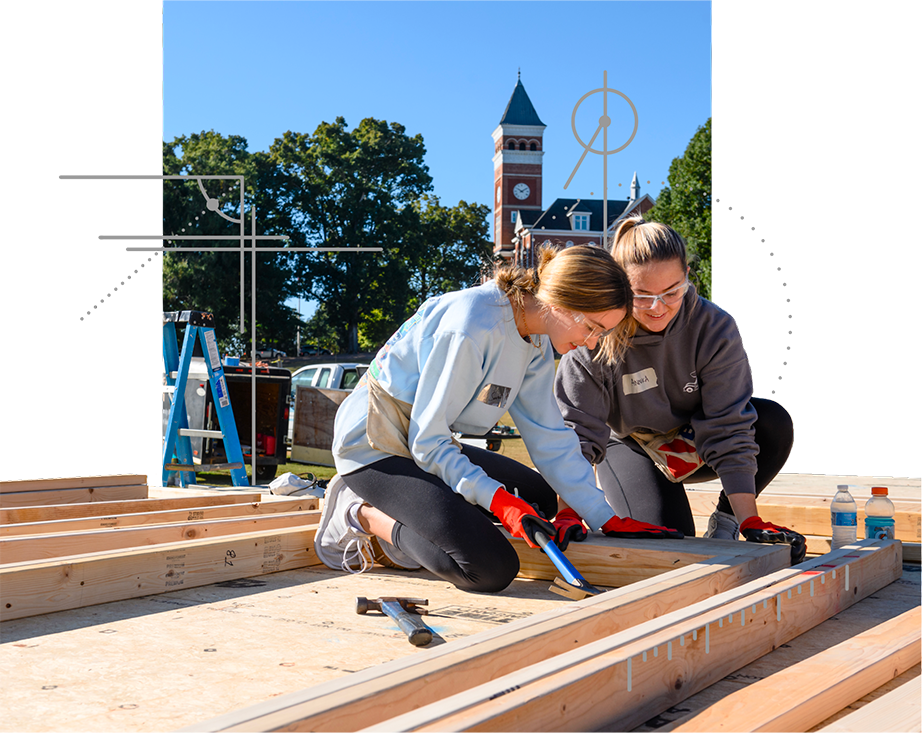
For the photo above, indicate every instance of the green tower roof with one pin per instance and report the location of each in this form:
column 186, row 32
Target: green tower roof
column 520, row 110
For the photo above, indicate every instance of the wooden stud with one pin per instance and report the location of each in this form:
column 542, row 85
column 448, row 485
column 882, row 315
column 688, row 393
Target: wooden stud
column 366, row 697
column 47, row 546
column 81, row 482
column 112, row 508
column 610, row 562
column 807, row 693
column 73, row 496
column 587, row 689
column 192, row 513
column 810, row 515
column 912, row 551
column 34, row 588
column 898, row 711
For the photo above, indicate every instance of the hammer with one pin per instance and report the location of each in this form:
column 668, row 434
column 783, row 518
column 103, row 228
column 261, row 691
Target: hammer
column 402, row 610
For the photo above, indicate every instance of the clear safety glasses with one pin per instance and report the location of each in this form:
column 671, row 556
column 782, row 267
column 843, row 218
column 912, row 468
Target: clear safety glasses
column 670, row 297
column 594, row 330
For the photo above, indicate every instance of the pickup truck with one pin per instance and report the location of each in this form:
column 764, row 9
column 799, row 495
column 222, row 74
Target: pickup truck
column 343, row 376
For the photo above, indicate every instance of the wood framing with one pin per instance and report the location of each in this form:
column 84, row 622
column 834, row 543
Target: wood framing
column 810, row 515
column 912, row 551
column 79, row 482
column 624, row 679
column 898, row 711
column 615, row 563
column 161, row 516
column 61, row 545
column 34, row 588
column 368, row 696
column 113, row 508
column 73, row 496
column 809, row 692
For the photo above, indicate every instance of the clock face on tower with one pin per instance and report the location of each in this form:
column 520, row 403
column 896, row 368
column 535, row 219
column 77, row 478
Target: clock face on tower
column 521, row 191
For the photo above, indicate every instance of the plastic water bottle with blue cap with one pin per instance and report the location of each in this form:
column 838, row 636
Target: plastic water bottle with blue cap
column 878, row 515
column 844, row 518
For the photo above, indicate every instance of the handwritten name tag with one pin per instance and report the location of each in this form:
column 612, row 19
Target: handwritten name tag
column 639, row 381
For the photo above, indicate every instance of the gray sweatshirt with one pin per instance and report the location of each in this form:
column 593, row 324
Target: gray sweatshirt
column 693, row 373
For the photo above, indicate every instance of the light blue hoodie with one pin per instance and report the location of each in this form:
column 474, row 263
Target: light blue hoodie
column 462, row 364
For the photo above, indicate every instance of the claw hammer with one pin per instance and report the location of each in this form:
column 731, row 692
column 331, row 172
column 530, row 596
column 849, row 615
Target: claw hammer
column 405, row 611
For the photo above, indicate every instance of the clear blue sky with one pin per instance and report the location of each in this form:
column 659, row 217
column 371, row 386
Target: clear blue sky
column 446, row 70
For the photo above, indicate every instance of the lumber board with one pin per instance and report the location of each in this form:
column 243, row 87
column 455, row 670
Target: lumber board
column 34, row 588
column 823, row 486
column 613, row 562
column 810, row 515
column 73, row 496
column 48, row 546
column 78, row 482
column 163, row 516
column 912, row 551
column 807, row 693
column 366, row 697
column 898, row 711
column 113, row 508
column 819, row 545
column 620, row 681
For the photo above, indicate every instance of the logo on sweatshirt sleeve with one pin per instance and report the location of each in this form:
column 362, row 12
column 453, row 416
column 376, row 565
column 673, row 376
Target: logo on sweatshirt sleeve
column 639, row 381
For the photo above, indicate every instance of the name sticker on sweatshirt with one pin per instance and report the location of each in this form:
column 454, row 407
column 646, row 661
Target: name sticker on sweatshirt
column 639, row 381
column 494, row 395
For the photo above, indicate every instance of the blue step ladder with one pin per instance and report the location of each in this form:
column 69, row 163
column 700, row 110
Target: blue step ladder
column 176, row 442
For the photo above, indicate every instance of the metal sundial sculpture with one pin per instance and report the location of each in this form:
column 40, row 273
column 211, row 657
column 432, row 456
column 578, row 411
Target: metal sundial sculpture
column 604, row 122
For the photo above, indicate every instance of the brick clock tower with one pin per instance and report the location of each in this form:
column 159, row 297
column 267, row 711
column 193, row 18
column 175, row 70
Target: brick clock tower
column 516, row 168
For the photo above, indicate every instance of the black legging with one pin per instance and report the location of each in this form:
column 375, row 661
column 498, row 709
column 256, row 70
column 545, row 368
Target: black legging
column 636, row 488
column 441, row 530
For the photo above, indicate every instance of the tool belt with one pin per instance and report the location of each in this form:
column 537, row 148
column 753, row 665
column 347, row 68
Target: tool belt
column 673, row 453
column 388, row 424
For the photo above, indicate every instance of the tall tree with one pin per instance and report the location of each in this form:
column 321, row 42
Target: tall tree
column 685, row 204
column 445, row 249
column 352, row 189
column 210, row 281
column 345, row 189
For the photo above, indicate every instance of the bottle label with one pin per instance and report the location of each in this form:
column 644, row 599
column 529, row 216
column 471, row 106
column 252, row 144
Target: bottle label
column 879, row 528
column 845, row 519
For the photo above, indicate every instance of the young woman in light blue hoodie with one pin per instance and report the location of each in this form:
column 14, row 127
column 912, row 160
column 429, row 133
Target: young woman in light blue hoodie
column 407, row 493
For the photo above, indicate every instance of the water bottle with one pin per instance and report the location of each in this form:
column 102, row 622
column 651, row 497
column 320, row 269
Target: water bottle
column 878, row 515
column 844, row 518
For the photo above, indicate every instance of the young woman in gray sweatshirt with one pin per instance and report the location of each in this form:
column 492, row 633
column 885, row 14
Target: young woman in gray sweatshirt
column 678, row 407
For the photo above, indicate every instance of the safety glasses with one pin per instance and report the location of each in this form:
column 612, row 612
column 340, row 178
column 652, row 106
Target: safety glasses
column 670, row 297
column 594, row 329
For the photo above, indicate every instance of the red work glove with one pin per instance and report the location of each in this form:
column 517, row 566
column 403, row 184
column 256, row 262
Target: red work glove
column 510, row 510
column 569, row 528
column 632, row 529
column 755, row 530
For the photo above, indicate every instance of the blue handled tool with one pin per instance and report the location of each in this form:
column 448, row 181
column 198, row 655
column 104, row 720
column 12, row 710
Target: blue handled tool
column 575, row 586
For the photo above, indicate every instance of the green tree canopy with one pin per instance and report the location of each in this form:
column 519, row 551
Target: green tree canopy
column 685, row 204
column 369, row 187
column 210, row 281
column 338, row 188
column 352, row 189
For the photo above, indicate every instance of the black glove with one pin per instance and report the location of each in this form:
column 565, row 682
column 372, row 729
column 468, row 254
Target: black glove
column 514, row 514
column 568, row 527
column 632, row 529
column 755, row 530
column 532, row 523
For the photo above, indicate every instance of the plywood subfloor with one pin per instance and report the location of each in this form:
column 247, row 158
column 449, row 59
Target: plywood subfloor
column 162, row 662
